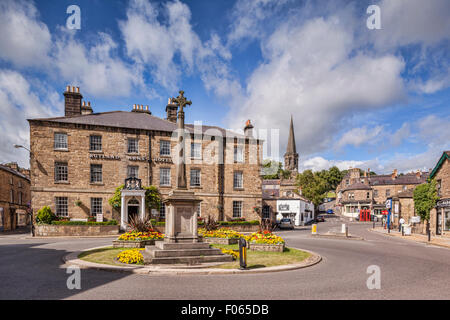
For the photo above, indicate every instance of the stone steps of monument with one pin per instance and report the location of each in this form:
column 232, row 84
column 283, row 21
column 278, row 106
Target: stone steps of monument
column 187, row 260
column 181, row 246
column 184, row 252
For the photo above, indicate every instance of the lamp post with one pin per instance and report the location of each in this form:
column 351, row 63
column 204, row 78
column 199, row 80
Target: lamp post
column 17, row 146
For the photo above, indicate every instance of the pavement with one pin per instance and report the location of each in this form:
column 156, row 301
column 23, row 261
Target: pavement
column 34, row 269
column 442, row 241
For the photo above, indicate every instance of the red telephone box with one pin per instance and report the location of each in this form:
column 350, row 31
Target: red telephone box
column 364, row 215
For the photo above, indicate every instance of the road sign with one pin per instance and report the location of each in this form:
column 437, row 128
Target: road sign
column 388, row 204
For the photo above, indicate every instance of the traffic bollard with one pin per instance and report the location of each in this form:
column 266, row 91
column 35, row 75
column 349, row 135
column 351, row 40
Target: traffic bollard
column 242, row 254
column 314, row 229
column 343, row 228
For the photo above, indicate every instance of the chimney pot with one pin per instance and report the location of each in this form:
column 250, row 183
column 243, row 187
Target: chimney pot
column 78, row 89
column 68, row 89
column 89, row 103
column 84, row 103
column 73, row 89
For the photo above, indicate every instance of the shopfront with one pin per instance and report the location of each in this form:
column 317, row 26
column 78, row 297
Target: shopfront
column 443, row 216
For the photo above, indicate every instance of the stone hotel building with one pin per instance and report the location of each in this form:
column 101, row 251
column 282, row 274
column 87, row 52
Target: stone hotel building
column 78, row 161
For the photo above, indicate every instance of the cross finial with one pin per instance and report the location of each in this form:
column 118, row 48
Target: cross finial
column 181, row 101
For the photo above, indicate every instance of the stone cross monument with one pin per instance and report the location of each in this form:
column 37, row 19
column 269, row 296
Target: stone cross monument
column 181, row 218
column 181, row 243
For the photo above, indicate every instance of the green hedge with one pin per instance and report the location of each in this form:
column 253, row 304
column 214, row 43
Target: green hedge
column 85, row 223
column 239, row 223
column 222, row 223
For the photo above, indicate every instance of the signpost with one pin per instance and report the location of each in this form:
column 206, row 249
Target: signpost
column 389, row 206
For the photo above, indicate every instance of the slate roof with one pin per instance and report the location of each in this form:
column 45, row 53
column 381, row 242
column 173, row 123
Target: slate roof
column 268, row 194
column 409, row 178
column 132, row 120
column 445, row 155
column 357, row 186
column 17, row 173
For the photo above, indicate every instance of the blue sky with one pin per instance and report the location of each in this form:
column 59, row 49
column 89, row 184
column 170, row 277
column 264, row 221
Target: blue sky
column 369, row 98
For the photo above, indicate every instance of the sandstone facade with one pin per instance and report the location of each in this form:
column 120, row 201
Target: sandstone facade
column 215, row 188
column 14, row 196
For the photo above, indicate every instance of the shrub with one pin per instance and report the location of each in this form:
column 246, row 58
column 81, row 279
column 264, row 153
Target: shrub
column 45, row 215
column 211, row 224
column 140, row 225
column 239, row 222
column 132, row 256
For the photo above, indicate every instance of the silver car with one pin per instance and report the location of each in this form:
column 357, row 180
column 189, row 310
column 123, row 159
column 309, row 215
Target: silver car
column 286, row 223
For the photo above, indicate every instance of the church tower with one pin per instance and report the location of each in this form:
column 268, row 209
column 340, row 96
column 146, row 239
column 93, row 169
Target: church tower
column 291, row 155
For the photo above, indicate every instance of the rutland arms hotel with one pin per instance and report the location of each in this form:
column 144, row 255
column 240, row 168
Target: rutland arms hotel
column 77, row 162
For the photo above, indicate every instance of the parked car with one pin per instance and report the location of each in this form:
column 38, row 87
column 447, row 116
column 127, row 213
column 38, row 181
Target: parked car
column 320, row 218
column 330, row 211
column 310, row 222
column 286, row 223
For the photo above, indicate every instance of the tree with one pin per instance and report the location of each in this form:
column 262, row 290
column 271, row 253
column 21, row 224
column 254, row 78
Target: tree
column 314, row 186
column 152, row 198
column 274, row 170
column 425, row 198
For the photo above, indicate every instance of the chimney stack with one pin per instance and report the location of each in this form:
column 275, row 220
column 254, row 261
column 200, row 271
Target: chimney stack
column 72, row 101
column 248, row 129
column 86, row 108
column 418, row 174
column 140, row 108
column 171, row 111
column 394, row 174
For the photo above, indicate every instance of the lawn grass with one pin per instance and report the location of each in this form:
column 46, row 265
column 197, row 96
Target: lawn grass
column 102, row 255
column 255, row 259
column 261, row 259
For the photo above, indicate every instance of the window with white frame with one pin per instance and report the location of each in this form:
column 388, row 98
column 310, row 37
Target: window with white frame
column 60, row 141
column 132, row 171
column 133, row 145
column 162, row 211
column 164, row 176
column 196, row 150
column 237, row 209
column 96, row 173
column 195, row 177
column 61, row 204
column 95, row 143
column 238, row 180
column 96, row 206
column 238, row 154
column 164, row 148
column 61, row 172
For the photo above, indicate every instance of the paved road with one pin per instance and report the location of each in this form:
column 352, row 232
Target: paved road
column 32, row 269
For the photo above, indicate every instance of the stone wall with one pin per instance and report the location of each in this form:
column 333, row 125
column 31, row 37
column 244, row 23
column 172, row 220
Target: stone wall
column 66, row 230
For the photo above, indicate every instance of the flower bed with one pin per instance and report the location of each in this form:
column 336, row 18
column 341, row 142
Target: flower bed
column 135, row 239
column 132, row 256
column 265, row 241
column 231, row 252
column 220, row 236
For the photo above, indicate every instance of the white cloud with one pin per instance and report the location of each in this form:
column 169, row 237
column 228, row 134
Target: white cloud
column 405, row 22
column 320, row 163
column 24, row 40
column 97, row 69
column 21, row 101
column 359, row 136
column 312, row 73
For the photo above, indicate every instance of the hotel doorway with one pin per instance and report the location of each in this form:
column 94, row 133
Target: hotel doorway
column 133, row 209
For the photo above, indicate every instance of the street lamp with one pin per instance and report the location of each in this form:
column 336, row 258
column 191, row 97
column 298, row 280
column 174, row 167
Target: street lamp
column 17, row 146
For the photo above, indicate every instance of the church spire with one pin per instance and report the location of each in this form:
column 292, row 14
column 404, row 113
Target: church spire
column 291, row 149
column 291, row 155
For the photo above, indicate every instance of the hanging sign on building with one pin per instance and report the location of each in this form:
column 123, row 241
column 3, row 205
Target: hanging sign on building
column 444, row 203
column 283, row 207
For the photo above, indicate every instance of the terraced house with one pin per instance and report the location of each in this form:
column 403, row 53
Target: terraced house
column 14, row 196
column 368, row 191
column 81, row 158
